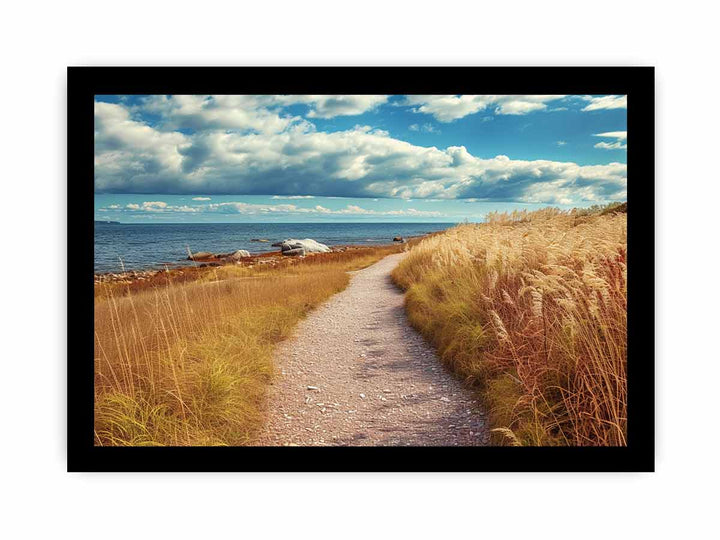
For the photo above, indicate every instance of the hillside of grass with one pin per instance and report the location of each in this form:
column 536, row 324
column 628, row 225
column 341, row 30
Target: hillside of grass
column 531, row 308
column 188, row 362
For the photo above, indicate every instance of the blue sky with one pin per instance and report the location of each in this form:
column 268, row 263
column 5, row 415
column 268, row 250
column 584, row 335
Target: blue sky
column 354, row 158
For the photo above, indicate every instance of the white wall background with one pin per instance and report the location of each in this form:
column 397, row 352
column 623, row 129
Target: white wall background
column 38, row 40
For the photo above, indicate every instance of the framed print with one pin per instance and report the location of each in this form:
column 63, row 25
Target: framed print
column 361, row 269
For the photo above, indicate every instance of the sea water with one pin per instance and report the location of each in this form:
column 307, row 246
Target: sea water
column 135, row 246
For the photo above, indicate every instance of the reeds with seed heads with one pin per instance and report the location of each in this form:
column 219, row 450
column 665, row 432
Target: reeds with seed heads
column 534, row 310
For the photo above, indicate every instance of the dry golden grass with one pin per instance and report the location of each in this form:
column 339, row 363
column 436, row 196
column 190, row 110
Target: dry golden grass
column 188, row 363
column 531, row 307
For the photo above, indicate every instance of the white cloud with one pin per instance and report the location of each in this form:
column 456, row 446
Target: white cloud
column 425, row 128
column 132, row 157
column 201, row 198
column 196, row 112
column 126, row 147
column 561, row 143
column 620, row 136
column 253, row 113
column 259, row 209
column 293, row 197
column 330, row 106
column 447, row 108
column 611, row 146
column 605, row 102
column 613, row 134
column 147, row 206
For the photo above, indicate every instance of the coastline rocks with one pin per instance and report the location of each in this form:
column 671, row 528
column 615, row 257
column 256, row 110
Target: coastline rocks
column 294, row 247
column 239, row 254
column 205, row 256
column 200, row 256
column 399, row 239
column 294, row 252
column 259, row 240
column 127, row 277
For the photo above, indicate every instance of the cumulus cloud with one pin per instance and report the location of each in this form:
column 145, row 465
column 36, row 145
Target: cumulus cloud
column 260, row 209
column 133, row 157
column 252, row 113
column 618, row 144
column 605, row 102
column 197, row 112
column 447, row 108
column 293, row 197
column 330, row 106
column 148, row 206
column 127, row 147
column 201, row 198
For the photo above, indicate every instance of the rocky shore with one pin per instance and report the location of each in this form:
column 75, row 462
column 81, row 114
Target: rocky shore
column 291, row 250
column 289, row 253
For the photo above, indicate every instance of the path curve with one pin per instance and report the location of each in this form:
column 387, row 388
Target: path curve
column 356, row 373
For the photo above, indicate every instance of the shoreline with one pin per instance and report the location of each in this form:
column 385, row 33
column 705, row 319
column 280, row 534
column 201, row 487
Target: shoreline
column 121, row 249
column 272, row 259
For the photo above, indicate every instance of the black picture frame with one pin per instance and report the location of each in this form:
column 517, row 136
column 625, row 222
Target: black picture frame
column 635, row 82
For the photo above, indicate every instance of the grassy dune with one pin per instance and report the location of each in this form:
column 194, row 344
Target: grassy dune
column 188, row 363
column 531, row 307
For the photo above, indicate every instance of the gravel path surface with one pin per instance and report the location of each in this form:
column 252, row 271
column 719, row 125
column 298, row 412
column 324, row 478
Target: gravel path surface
column 357, row 374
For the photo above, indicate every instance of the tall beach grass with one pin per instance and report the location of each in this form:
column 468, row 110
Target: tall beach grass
column 531, row 307
column 188, row 363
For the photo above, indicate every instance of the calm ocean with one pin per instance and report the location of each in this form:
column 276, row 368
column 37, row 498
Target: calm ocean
column 142, row 246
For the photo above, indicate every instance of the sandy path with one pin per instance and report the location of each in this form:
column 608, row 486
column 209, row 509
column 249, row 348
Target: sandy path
column 356, row 374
